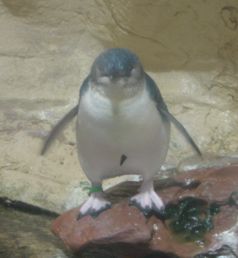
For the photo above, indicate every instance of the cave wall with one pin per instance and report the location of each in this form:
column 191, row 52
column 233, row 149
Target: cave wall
column 189, row 47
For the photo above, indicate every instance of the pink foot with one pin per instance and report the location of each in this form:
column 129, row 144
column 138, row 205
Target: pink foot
column 94, row 205
column 147, row 200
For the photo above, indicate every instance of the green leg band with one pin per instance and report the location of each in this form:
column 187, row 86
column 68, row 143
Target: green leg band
column 95, row 189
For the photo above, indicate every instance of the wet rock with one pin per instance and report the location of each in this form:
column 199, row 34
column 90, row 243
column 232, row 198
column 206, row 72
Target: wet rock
column 224, row 251
column 203, row 224
column 209, row 160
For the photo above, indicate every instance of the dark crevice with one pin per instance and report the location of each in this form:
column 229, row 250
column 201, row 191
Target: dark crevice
column 26, row 208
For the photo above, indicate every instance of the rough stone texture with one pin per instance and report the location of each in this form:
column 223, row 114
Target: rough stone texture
column 115, row 228
column 46, row 48
column 127, row 233
column 25, row 235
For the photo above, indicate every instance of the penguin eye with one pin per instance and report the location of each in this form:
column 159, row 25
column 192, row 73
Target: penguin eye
column 136, row 72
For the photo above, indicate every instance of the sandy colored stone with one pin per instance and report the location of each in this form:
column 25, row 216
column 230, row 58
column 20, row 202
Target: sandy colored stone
column 189, row 47
column 27, row 235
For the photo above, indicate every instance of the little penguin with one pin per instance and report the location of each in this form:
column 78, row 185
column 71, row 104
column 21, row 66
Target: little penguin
column 123, row 127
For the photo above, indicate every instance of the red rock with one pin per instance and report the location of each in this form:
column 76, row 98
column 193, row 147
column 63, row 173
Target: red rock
column 128, row 234
column 122, row 224
column 164, row 241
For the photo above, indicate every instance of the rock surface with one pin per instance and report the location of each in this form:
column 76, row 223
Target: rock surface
column 124, row 232
column 25, row 235
column 189, row 47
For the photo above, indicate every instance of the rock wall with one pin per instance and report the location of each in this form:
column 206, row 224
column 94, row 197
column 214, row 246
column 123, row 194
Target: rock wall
column 46, row 48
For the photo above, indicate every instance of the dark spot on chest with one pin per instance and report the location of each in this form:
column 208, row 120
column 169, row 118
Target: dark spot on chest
column 123, row 159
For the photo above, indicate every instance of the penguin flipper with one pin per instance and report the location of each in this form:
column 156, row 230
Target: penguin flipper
column 58, row 127
column 163, row 110
column 65, row 120
column 182, row 130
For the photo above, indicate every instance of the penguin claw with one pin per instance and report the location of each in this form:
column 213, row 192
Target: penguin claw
column 145, row 210
column 148, row 203
column 94, row 206
column 93, row 213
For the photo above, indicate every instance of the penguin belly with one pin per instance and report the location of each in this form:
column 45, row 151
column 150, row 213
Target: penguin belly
column 120, row 138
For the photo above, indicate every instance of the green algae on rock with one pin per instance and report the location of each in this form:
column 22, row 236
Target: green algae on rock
column 191, row 217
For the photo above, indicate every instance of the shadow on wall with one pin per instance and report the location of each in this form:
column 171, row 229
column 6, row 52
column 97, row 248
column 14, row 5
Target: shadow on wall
column 172, row 35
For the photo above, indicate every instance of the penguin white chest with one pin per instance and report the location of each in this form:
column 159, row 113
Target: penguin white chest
column 124, row 137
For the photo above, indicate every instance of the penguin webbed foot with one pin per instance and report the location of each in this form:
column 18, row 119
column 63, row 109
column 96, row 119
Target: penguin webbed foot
column 148, row 203
column 94, row 206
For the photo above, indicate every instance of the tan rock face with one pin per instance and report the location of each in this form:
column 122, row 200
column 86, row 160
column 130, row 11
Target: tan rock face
column 26, row 235
column 46, row 48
